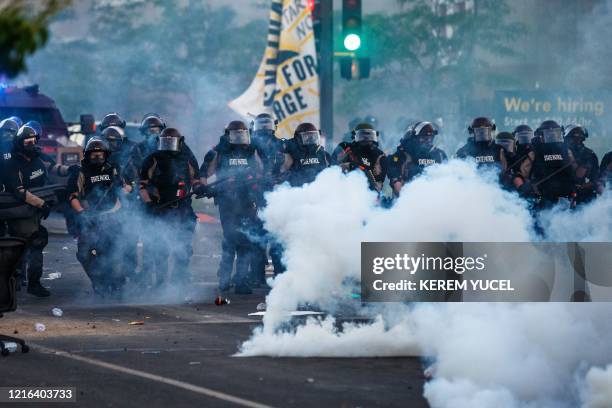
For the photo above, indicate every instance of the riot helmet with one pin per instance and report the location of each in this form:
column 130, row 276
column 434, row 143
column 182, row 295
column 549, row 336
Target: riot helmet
column 365, row 133
column 264, row 125
column 26, row 141
column 112, row 119
column 8, row 131
column 307, row 134
column 575, row 135
column 523, row 134
column 36, row 126
column 170, row 140
column 237, row 133
column 115, row 136
column 96, row 152
column 482, row 129
column 152, row 126
column 550, row 132
column 507, row 141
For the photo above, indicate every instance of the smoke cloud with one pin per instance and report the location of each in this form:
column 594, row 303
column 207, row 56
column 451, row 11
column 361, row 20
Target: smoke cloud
column 479, row 355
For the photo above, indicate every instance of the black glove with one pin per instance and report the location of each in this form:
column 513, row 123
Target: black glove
column 45, row 210
column 202, row 190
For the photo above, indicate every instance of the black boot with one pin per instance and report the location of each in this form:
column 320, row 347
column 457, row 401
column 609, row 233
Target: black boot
column 36, row 289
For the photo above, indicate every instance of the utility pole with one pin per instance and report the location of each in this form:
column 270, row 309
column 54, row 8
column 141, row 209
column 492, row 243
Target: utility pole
column 326, row 67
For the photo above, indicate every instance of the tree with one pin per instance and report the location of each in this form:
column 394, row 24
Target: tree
column 432, row 53
column 23, row 30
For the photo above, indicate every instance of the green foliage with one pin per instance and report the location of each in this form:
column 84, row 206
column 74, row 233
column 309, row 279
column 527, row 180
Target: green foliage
column 151, row 56
column 22, row 32
column 413, row 52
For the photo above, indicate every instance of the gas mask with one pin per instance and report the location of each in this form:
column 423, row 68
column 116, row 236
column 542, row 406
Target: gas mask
column 97, row 159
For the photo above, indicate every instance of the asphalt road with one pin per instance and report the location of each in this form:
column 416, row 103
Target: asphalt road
column 182, row 354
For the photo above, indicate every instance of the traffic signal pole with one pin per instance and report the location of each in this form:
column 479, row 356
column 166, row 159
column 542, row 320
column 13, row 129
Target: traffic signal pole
column 326, row 69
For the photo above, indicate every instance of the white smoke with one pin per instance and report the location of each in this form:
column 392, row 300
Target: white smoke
column 508, row 355
column 598, row 393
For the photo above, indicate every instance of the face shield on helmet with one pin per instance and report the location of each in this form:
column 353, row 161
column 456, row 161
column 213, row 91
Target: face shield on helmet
column 507, row 144
column 366, row 135
column 524, row 137
column 483, row 134
column 264, row 125
column 114, row 136
column 239, row 137
column 554, row 135
column 309, row 138
column 169, row 144
column 6, row 136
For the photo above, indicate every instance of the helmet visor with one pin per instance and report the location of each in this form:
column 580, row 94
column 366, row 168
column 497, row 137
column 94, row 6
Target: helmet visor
column 552, row 135
column 309, row 138
column 524, row 138
column 264, row 124
column 507, row 144
column 6, row 135
column 168, row 144
column 239, row 136
column 483, row 134
column 366, row 135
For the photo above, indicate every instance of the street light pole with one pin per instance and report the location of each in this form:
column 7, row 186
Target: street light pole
column 326, row 69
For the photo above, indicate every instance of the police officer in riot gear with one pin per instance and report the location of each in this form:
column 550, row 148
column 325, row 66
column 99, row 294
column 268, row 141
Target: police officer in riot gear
column 237, row 165
column 93, row 193
column 167, row 179
column 415, row 152
column 553, row 167
column 121, row 151
column 28, row 169
column 305, row 158
column 587, row 172
column 8, row 131
column 363, row 154
column 508, row 142
column 347, row 139
column 481, row 145
column 522, row 163
column 271, row 151
column 150, row 128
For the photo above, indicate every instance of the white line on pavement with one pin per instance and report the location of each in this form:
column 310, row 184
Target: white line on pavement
column 153, row 377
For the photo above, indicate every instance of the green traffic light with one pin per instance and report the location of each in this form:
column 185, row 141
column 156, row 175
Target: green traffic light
column 352, row 42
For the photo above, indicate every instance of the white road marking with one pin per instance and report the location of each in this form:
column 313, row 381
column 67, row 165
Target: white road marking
column 153, row 377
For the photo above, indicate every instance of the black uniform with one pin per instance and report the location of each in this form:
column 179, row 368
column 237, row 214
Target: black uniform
column 308, row 162
column 409, row 161
column 98, row 249
column 586, row 174
column 368, row 158
column 485, row 153
column 169, row 178
column 5, row 156
column 23, row 173
column 237, row 201
column 552, row 172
